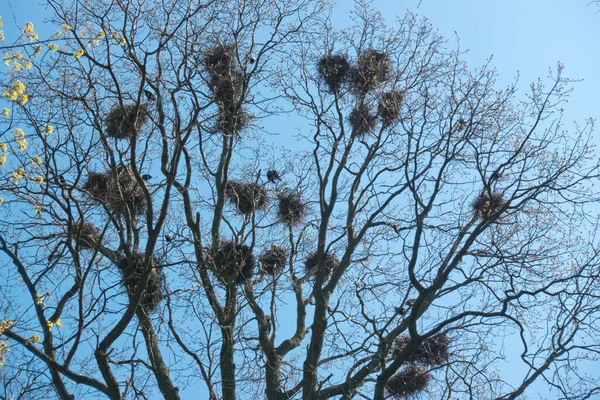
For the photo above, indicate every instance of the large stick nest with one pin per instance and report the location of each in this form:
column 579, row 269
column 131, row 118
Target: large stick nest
column 125, row 192
column 389, row 106
column 124, row 121
column 273, row 260
column 97, row 185
column 227, row 89
column 432, row 351
column 410, row 380
column 219, row 60
column 335, row 70
column 372, row 68
column 292, row 209
column 312, row 262
column 233, row 261
column 86, row 235
column 133, row 269
column 487, row 206
column 362, row 120
column 232, row 119
column 247, row 197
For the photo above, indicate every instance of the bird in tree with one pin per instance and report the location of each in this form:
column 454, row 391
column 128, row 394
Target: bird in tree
column 273, row 176
column 146, row 177
column 149, row 95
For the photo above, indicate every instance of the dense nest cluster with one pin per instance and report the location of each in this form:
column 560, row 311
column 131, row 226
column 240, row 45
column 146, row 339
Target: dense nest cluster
column 487, row 206
column 410, row 380
column 133, row 269
column 389, row 106
column 432, row 351
column 233, row 261
column 123, row 121
column 273, row 260
column 372, row 68
column 335, row 70
column 292, row 209
column 362, row 120
column 227, row 86
column 86, row 235
column 312, row 262
column 247, row 197
column 118, row 194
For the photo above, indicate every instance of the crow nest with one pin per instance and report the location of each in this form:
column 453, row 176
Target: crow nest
column 312, row 263
column 247, row 197
column 133, row 269
column 486, row 206
column 219, row 60
column 335, row 70
column 292, row 209
column 233, row 261
column 232, row 120
column 410, row 380
column 86, row 235
column 389, row 106
column 362, row 120
column 227, row 89
column 432, row 351
column 125, row 192
column 123, row 122
column 96, row 185
column 273, row 260
column 372, row 68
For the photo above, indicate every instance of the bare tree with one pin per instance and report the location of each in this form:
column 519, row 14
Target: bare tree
column 157, row 236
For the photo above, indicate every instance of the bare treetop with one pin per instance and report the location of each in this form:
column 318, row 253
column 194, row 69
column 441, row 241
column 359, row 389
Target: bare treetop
column 410, row 218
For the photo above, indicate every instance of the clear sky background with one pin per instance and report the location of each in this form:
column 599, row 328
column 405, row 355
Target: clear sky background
column 528, row 36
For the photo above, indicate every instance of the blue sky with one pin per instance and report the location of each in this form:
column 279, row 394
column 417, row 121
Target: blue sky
column 528, row 36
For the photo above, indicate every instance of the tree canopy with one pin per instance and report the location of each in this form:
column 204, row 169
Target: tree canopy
column 240, row 199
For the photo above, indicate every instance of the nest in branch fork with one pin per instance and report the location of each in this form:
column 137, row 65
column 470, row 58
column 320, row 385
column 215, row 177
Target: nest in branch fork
column 372, row 68
column 312, row 262
column 487, row 206
column 86, row 235
column 123, row 121
column 335, row 70
column 133, row 269
column 432, row 351
column 410, row 380
column 362, row 120
column 227, row 89
column 232, row 120
column 125, row 192
column 220, row 60
column 292, row 209
column 97, row 185
column 247, row 197
column 273, row 260
column 389, row 107
column 234, row 261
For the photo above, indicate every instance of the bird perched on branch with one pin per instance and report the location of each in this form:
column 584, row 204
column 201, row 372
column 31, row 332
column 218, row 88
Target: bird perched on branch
column 146, row 177
column 273, row 175
column 149, row 95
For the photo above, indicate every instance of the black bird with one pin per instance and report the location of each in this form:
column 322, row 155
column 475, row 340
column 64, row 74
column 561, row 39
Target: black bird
column 250, row 59
column 149, row 95
column 411, row 302
column 168, row 238
column 61, row 181
column 495, row 176
column 400, row 310
column 273, row 175
column 146, row 177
